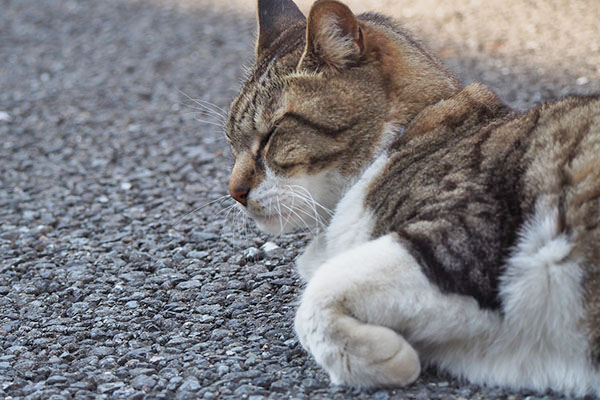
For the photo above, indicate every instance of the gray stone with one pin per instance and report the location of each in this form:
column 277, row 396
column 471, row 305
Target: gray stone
column 198, row 254
column 191, row 284
column 143, row 382
column 110, row 387
column 190, row 384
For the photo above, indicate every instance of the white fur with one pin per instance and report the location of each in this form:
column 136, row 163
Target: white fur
column 279, row 205
column 350, row 226
column 368, row 307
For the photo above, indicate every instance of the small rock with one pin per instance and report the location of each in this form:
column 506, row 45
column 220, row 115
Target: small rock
column 271, row 250
column 222, row 369
column 131, row 304
column 190, row 384
column 110, row 387
column 102, row 351
column 253, row 254
column 204, row 236
column 56, row 379
column 5, row 117
column 143, row 382
column 582, row 80
column 251, row 360
column 191, row 284
column 198, row 254
column 80, row 307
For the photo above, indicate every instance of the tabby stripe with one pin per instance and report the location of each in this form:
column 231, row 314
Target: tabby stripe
column 318, row 127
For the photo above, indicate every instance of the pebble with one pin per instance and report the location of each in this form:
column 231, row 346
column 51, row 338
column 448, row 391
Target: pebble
column 198, row 254
column 190, row 384
column 5, row 117
column 272, row 250
column 144, row 382
column 253, row 254
column 191, row 284
column 110, row 387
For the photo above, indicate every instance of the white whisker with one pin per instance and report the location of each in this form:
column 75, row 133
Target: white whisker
column 311, row 204
column 209, row 122
column 279, row 214
column 299, row 217
column 207, row 113
column 206, row 104
column 199, row 208
column 312, row 200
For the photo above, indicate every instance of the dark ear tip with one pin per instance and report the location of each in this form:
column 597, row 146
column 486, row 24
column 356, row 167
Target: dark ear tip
column 274, row 17
column 324, row 8
column 331, row 6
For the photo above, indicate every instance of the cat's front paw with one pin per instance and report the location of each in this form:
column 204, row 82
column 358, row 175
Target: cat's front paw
column 358, row 354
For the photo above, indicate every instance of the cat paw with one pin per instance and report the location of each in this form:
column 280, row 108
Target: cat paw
column 378, row 357
column 358, row 354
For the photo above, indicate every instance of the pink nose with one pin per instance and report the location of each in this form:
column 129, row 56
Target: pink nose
column 240, row 194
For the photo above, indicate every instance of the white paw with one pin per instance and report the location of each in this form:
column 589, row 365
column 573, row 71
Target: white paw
column 357, row 354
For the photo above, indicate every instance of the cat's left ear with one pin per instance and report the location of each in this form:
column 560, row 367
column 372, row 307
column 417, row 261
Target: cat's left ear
column 333, row 37
column 274, row 17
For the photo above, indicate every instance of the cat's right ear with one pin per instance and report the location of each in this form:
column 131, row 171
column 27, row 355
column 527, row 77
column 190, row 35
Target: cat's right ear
column 334, row 38
column 274, row 17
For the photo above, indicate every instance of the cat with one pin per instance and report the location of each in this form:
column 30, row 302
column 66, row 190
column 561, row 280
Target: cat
column 457, row 232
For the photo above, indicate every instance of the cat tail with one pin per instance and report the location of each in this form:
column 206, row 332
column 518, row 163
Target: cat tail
column 542, row 288
column 542, row 297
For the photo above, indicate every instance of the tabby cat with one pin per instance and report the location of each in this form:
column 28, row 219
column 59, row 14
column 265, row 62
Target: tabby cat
column 457, row 232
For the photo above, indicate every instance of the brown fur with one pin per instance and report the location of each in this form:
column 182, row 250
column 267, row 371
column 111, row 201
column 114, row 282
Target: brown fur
column 462, row 179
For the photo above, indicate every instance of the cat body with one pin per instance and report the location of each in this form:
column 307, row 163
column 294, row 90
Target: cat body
column 456, row 232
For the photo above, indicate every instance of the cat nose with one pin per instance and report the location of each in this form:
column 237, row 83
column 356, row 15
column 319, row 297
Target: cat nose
column 240, row 194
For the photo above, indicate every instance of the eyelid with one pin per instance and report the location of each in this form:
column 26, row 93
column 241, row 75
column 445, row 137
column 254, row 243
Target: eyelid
column 264, row 141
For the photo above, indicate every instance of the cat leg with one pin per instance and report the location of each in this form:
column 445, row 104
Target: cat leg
column 344, row 316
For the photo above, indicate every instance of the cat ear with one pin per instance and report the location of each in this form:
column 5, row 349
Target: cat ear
column 333, row 37
column 275, row 16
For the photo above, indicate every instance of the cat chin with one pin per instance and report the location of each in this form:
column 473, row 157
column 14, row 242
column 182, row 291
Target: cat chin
column 274, row 224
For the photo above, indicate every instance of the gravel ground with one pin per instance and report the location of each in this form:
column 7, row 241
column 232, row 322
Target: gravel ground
column 107, row 288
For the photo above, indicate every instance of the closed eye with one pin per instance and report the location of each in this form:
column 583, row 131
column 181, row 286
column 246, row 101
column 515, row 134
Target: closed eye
column 263, row 144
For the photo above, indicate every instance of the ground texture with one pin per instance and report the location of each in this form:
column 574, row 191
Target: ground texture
column 107, row 288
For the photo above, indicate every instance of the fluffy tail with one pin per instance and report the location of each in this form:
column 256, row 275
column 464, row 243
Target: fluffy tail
column 544, row 316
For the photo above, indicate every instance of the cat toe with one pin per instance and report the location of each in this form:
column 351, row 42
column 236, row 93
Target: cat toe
column 389, row 359
column 375, row 356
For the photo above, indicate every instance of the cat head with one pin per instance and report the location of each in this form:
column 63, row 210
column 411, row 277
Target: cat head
column 316, row 107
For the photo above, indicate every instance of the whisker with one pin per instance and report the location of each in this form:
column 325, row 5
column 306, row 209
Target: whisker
column 227, row 209
column 299, row 217
column 209, row 122
column 211, row 106
column 311, row 205
column 207, row 113
column 205, row 103
column 308, row 208
column 318, row 220
column 198, row 209
column 312, row 200
column 279, row 215
column 290, row 208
